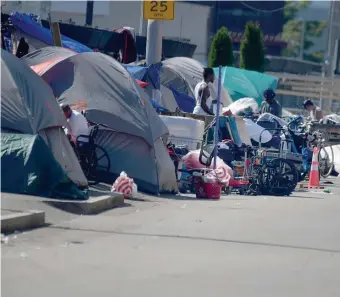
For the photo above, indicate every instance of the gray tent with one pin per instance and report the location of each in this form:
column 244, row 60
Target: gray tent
column 184, row 73
column 28, row 106
column 167, row 99
column 112, row 97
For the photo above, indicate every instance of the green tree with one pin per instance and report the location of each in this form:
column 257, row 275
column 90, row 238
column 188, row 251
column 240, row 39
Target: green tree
column 292, row 8
column 293, row 30
column 221, row 50
column 252, row 48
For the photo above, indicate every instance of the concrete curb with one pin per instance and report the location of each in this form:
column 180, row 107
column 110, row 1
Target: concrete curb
column 92, row 206
column 22, row 221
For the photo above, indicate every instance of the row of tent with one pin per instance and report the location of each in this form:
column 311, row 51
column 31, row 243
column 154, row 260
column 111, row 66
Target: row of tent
column 133, row 139
column 179, row 77
column 119, row 96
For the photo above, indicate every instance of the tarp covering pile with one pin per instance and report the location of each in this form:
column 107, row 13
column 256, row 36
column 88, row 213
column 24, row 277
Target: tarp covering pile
column 28, row 106
column 111, row 97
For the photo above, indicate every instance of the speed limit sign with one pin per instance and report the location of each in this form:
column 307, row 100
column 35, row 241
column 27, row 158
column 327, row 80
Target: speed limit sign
column 159, row 10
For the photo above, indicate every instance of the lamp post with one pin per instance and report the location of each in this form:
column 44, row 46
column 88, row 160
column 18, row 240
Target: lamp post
column 302, row 39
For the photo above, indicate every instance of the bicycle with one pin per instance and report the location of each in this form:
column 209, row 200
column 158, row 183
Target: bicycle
column 304, row 139
column 325, row 158
column 92, row 157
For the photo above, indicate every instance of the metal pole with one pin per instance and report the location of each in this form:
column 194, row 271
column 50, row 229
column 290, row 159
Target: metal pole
column 321, row 93
column 217, row 117
column 154, row 42
column 330, row 37
column 302, row 40
column 330, row 52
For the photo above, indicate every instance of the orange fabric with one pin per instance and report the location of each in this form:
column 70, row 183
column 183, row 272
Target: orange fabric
column 41, row 68
column 141, row 83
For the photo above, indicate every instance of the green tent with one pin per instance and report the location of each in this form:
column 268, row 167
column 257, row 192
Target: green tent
column 29, row 167
column 242, row 83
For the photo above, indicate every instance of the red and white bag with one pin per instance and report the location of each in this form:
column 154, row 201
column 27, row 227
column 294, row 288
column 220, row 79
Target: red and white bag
column 125, row 185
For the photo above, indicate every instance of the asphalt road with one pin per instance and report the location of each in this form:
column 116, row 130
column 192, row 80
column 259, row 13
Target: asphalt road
column 237, row 246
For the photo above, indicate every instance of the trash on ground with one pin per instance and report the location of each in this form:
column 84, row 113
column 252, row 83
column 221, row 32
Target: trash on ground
column 125, row 185
column 4, row 239
column 23, row 255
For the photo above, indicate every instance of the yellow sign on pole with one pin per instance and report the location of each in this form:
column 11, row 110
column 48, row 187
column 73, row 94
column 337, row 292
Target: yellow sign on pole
column 159, row 10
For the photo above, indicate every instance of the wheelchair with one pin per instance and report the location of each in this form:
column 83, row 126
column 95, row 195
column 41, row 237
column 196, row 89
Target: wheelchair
column 93, row 158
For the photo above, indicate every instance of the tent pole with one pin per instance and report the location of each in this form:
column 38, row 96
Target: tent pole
column 217, row 117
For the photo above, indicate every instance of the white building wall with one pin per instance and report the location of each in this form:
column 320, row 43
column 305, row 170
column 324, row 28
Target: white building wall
column 191, row 20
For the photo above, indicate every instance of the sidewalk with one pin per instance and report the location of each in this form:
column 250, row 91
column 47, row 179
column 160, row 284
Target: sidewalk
column 20, row 212
column 12, row 220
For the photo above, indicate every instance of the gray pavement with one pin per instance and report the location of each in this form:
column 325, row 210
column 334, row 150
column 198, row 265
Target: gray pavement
column 179, row 246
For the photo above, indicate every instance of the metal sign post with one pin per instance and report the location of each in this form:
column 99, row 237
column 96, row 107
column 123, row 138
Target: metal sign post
column 155, row 12
column 217, row 117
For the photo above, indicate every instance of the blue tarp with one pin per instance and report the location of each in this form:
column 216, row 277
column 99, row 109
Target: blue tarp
column 157, row 106
column 148, row 74
column 26, row 24
column 184, row 102
column 151, row 74
column 154, row 75
column 242, row 83
column 138, row 72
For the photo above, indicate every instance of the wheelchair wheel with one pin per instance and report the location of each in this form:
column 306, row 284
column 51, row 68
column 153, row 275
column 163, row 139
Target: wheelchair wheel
column 278, row 177
column 101, row 160
column 95, row 162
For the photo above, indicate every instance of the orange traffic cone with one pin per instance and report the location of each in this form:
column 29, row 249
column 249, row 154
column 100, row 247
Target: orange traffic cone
column 314, row 178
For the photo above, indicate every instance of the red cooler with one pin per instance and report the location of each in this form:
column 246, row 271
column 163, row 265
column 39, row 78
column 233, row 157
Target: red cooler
column 207, row 190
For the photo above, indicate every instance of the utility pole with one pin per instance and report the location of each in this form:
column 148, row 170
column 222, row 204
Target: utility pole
column 302, row 40
column 329, row 63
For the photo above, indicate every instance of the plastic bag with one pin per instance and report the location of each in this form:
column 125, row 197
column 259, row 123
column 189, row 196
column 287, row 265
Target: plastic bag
column 125, row 185
column 191, row 161
column 220, row 174
column 223, row 173
column 134, row 190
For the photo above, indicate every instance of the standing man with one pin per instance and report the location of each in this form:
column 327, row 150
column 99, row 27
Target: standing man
column 202, row 93
column 315, row 112
column 270, row 105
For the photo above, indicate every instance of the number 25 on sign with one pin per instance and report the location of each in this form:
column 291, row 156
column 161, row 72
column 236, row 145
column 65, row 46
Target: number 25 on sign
column 159, row 10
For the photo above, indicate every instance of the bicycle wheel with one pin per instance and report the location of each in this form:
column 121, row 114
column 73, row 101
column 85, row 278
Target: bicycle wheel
column 278, row 177
column 326, row 161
